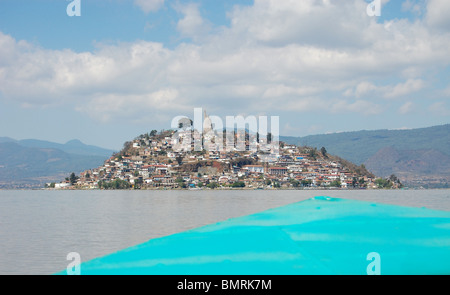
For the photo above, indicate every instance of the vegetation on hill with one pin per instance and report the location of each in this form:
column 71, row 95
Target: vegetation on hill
column 419, row 157
column 149, row 161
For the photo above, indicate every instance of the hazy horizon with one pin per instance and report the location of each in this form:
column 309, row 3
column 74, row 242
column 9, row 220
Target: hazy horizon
column 281, row 135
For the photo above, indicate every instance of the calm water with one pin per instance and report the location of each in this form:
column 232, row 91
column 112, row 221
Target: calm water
column 39, row 228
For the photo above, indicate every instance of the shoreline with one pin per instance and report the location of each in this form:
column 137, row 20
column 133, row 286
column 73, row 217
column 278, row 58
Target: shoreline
column 232, row 189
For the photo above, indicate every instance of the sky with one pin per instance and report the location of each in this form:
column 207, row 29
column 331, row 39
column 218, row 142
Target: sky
column 125, row 67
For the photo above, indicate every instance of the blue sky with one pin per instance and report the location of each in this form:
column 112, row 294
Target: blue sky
column 125, row 67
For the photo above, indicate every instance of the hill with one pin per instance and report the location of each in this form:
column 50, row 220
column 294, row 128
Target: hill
column 427, row 168
column 30, row 163
column 74, row 146
column 416, row 155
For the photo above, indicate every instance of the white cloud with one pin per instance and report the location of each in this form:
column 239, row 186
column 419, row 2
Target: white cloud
column 406, row 108
column 192, row 25
column 309, row 22
column 406, row 88
column 149, row 5
column 364, row 88
column 359, row 106
column 106, row 107
column 413, row 6
column 290, row 56
column 438, row 12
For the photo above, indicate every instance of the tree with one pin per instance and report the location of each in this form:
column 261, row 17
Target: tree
column 335, row 183
column 313, row 153
column 306, row 182
column 383, row 183
column 238, row 184
column 127, row 145
column 153, row 133
column 138, row 183
column 295, row 183
column 114, row 185
column 323, row 150
column 361, row 181
column 179, row 159
column 212, row 185
column 73, row 178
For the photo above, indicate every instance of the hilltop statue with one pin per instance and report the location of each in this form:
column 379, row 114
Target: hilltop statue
column 207, row 123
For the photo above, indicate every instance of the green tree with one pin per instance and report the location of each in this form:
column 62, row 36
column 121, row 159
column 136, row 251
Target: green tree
column 73, row 178
column 138, row 183
column 313, row 153
column 212, row 185
column 383, row 183
column 295, row 183
column 323, row 150
column 361, row 182
column 238, row 184
column 335, row 183
column 306, row 182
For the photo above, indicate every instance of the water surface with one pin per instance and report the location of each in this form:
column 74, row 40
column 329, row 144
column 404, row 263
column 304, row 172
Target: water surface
column 39, row 228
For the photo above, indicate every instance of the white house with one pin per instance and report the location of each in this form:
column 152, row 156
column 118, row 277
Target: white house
column 254, row 168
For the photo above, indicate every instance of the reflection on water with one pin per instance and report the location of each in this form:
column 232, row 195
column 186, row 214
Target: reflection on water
column 39, row 228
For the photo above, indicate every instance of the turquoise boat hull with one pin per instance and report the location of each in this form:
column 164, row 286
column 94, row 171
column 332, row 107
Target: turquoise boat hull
column 319, row 236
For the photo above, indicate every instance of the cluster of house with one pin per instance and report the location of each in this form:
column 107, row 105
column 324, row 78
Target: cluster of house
column 151, row 162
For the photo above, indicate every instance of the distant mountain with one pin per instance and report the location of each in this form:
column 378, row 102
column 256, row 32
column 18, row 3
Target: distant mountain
column 7, row 139
column 415, row 154
column 30, row 163
column 72, row 147
column 420, row 167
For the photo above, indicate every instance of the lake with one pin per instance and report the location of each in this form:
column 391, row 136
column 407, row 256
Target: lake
column 38, row 228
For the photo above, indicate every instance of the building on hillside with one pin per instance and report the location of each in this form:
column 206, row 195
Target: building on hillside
column 277, row 170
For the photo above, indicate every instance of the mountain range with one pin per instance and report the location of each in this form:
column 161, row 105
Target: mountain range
column 31, row 163
column 419, row 157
